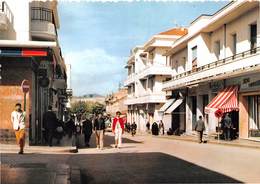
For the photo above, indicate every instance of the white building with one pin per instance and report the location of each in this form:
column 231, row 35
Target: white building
column 147, row 70
column 29, row 49
column 69, row 88
column 219, row 51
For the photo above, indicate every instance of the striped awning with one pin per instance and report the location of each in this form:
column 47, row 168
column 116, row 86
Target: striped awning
column 226, row 100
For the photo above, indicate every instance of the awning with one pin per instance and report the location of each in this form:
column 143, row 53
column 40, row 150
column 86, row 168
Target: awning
column 226, row 100
column 176, row 104
column 166, row 105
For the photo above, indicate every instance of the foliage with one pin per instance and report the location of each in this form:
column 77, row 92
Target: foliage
column 87, row 107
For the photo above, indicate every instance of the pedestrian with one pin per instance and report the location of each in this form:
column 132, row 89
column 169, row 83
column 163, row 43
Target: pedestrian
column 118, row 129
column 200, row 127
column 128, row 127
column 87, row 130
column 148, row 126
column 161, row 127
column 133, row 128
column 18, row 121
column 155, row 129
column 50, row 124
column 227, row 123
column 99, row 128
column 69, row 126
column 77, row 130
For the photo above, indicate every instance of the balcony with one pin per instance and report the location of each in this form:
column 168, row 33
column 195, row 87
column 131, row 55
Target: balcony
column 6, row 16
column 238, row 64
column 146, row 98
column 42, row 25
column 130, row 79
column 155, row 69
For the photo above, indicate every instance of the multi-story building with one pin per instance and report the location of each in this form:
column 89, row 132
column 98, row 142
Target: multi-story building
column 116, row 102
column 147, row 70
column 217, row 66
column 29, row 50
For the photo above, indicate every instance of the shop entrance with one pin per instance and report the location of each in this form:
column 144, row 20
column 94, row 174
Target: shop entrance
column 194, row 110
column 234, row 115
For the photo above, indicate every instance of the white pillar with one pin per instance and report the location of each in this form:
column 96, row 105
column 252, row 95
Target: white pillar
column 188, row 116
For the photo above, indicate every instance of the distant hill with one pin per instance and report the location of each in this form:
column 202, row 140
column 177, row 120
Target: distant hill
column 94, row 95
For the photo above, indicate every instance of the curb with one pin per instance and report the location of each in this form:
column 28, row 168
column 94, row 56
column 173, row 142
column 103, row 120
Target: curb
column 215, row 142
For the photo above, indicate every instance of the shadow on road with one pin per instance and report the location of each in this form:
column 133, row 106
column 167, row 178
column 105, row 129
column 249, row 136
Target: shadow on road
column 124, row 168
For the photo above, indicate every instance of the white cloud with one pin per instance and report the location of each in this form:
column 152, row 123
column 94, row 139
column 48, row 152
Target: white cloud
column 95, row 71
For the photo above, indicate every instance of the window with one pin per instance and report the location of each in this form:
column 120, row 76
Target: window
column 194, row 57
column 253, row 33
column 254, row 115
column 217, row 49
column 234, row 43
column 144, row 83
column 194, row 53
column 42, row 14
column 151, row 83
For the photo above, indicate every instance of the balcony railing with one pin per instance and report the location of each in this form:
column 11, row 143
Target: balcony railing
column 146, row 98
column 217, row 64
column 43, row 23
column 155, row 69
column 4, row 8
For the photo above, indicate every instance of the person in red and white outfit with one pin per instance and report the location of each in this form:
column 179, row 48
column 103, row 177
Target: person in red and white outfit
column 118, row 129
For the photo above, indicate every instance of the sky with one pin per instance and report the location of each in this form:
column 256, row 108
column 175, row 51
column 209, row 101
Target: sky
column 96, row 37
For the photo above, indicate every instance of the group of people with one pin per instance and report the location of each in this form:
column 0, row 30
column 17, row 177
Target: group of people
column 156, row 128
column 75, row 127
column 131, row 128
column 226, row 128
column 97, row 124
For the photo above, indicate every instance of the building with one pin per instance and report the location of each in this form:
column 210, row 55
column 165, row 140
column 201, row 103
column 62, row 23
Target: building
column 69, row 87
column 29, row 50
column 217, row 66
column 147, row 70
column 116, row 102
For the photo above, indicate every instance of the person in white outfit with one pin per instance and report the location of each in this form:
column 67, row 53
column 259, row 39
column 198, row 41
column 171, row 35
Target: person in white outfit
column 118, row 129
column 18, row 121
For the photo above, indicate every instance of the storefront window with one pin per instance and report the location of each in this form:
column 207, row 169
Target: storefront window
column 254, row 116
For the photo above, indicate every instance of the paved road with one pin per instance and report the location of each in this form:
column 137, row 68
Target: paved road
column 146, row 159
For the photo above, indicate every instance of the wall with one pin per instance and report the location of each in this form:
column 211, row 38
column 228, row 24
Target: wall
column 21, row 19
column 10, row 89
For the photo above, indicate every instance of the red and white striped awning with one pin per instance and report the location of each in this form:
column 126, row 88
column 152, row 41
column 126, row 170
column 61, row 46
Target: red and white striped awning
column 226, row 100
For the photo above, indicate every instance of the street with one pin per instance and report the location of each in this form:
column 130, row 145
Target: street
column 142, row 159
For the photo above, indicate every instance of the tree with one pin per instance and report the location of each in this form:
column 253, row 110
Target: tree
column 87, row 107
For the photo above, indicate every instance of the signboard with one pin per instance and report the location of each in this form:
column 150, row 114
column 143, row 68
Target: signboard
column 25, row 86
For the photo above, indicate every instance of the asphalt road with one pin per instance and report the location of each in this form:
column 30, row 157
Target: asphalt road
column 146, row 159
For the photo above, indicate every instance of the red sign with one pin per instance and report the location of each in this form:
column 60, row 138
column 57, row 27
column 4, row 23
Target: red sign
column 219, row 113
column 25, row 86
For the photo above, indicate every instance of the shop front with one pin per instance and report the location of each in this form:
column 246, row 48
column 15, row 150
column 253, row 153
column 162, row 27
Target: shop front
column 249, row 104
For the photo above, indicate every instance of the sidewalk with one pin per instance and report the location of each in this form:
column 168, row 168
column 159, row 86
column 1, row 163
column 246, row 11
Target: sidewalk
column 211, row 140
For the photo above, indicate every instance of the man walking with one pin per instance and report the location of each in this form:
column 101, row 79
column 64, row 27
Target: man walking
column 18, row 121
column 227, row 127
column 50, row 124
column 200, row 127
column 99, row 128
column 118, row 129
column 161, row 127
column 133, row 128
column 87, row 130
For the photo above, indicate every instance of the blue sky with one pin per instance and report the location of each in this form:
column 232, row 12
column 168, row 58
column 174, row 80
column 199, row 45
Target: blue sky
column 96, row 37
